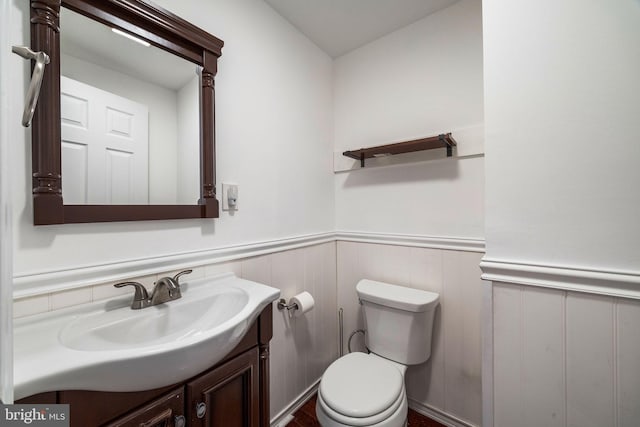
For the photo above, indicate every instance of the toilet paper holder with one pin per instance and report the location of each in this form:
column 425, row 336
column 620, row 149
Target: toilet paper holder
column 298, row 304
column 282, row 304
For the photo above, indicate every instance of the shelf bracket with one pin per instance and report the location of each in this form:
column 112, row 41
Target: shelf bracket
column 362, row 159
column 443, row 138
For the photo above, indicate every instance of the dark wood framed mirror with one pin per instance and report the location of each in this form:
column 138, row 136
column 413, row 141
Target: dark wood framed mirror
column 160, row 29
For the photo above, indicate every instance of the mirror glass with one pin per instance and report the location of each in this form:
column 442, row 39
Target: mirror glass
column 130, row 119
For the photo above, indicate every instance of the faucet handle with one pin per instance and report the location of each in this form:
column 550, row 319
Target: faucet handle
column 140, row 298
column 182, row 273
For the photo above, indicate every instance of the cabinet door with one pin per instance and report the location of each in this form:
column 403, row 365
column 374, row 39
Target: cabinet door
column 166, row 411
column 227, row 396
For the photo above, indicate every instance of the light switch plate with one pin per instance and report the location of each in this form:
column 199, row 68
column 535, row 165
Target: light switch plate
column 225, row 196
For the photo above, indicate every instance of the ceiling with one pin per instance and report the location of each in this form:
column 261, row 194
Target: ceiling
column 336, row 26
column 339, row 26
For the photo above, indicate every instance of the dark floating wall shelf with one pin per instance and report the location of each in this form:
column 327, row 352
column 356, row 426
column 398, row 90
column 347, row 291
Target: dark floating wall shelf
column 444, row 140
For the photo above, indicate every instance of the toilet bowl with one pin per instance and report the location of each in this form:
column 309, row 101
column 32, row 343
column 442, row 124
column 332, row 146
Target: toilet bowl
column 361, row 389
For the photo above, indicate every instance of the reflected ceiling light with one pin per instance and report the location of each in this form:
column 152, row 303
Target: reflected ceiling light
column 130, row 37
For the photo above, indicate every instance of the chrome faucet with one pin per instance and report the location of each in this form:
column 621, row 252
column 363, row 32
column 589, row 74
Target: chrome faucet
column 165, row 289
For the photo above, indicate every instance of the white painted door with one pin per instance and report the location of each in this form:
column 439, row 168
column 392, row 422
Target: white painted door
column 105, row 146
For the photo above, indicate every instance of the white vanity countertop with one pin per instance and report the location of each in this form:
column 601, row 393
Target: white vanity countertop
column 107, row 346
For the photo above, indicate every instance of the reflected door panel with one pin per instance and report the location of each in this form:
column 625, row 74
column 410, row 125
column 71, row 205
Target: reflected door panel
column 75, row 134
column 105, row 145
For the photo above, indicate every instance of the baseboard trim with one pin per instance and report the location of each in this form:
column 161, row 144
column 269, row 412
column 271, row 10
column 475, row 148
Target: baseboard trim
column 448, row 243
column 438, row 415
column 287, row 413
column 623, row 284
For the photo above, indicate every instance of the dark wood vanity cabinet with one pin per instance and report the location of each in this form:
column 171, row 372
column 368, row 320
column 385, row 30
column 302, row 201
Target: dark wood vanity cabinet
column 165, row 411
column 232, row 393
column 227, row 395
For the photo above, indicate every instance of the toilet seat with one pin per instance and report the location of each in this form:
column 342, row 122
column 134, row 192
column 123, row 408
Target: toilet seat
column 363, row 421
column 361, row 390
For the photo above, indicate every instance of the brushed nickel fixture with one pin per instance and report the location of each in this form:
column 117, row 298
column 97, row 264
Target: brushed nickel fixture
column 164, row 290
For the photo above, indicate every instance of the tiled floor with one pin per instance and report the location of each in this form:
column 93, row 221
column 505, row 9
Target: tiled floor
column 306, row 417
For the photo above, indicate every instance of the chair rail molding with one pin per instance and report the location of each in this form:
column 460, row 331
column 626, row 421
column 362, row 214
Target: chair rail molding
column 623, row 284
column 33, row 283
column 421, row 241
column 37, row 283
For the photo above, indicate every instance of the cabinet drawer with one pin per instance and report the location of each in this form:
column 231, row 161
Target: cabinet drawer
column 166, row 411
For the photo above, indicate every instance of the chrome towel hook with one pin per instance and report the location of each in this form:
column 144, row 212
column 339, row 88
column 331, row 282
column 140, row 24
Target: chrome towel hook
column 33, row 92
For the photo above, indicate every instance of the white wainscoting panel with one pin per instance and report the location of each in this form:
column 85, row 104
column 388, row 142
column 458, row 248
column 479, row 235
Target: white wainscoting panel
column 450, row 382
column 348, row 274
column 528, row 346
column 462, row 324
column 426, row 382
column 302, row 347
column 543, row 335
column 590, row 361
column 287, row 273
column 507, row 346
column 628, row 363
column 564, row 358
column 320, row 280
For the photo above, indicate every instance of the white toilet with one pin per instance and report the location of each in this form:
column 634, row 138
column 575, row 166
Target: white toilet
column 362, row 389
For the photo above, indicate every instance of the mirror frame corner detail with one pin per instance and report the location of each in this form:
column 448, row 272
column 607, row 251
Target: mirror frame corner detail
column 160, row 28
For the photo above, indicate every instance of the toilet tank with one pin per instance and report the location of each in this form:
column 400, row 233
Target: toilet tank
column 398, row 320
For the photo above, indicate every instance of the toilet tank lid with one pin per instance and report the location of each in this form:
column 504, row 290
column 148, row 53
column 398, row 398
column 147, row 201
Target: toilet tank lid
column 395, row 296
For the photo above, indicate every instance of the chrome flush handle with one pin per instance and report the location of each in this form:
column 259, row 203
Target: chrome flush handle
column 33, row 92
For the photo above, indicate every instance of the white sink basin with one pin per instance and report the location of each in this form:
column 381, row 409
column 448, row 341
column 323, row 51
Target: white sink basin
column 177, row 320
column 106, row 346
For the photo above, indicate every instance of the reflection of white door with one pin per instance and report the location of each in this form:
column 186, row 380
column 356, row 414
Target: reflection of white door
column 105, row 146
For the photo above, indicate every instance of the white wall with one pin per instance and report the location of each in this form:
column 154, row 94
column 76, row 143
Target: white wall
column 163, row 126
column 274, row 138
column 562, row 131
column 422, row 80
